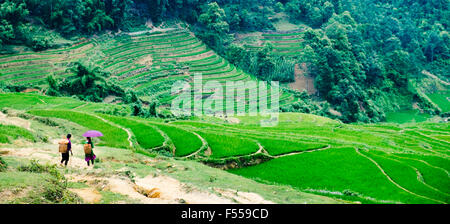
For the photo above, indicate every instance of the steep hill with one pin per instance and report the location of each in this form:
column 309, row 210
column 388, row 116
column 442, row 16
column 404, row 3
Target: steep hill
column 149, row 61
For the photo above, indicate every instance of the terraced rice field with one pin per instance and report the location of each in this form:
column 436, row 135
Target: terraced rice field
column 286, row 43
column 368, row 163
column 150, row 62
column 441, row 99
column 32, row 68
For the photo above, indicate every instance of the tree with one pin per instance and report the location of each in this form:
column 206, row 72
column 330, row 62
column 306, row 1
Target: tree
column 152, row 109
column 212, row 22
column 327, row 11
column 433, row 46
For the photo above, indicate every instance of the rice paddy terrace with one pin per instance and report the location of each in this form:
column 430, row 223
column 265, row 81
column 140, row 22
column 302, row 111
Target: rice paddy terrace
column 285, row 43
column 147, row 61
column 368, row 163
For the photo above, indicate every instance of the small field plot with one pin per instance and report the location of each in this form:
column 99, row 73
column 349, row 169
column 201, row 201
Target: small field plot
column 277, row 147
column 20, row 101
column 185, row 142
column 442, row 99
column 228, row 145
column 406, row 174
column 11, row 132
column 113, row 136
column 146, row 136
column 406, row 116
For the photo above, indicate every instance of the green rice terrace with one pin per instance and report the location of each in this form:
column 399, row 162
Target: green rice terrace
column 350, row 163
column 148, row 62
column 285, row 43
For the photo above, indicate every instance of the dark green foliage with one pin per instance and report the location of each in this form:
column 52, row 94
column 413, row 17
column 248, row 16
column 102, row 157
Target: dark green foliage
column 152, row 109
column 213, row 29
column 364, row 54
column 262, row 63
column 89, row 83
column 313, row 12
column 11, row 132
column 11, row 87
column 3, row 165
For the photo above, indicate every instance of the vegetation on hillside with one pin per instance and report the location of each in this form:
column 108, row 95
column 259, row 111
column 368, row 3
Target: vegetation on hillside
column 408, row 163
column 366, row 56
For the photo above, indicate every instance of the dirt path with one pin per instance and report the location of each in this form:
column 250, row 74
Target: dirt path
column 118, row 126
column 153, row 30
column 5, row 119
column 301, row 152
column 204, row 146
column 392, row 181
column 83, row 105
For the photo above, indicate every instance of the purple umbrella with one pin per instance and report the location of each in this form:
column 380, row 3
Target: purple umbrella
column 92, row 133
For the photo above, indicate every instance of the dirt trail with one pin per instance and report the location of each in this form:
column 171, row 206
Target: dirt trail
column 169, row 190
column 303, row 79
column 204, row 146
column 301, row 152
column 5, row 119
column 118, row 126
column 78, row 107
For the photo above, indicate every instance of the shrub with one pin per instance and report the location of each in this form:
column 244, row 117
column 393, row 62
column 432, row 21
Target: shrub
column 55, row 189
column 33, row 167
column 39, row 43
column 3, row 165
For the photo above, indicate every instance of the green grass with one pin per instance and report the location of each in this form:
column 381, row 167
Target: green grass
column 406, row 116
column 277, row 146
column 441, row 99
column 406, row 176
column 113, row 136
column 10, row 132
column 226, row 146
column 146, row 136
column 16, row 179
column 333, row 171
column 185, row 142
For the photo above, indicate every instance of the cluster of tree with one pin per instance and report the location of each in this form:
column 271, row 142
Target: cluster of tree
column 262, row 63
column 315, row 13
column 79, row 17
column 364, row 53
column 240, row 15
column 12, row 19
column 68, row 17
column 359, row 62
column 90, row 83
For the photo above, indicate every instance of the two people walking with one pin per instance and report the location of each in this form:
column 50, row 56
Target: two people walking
column 65, row 147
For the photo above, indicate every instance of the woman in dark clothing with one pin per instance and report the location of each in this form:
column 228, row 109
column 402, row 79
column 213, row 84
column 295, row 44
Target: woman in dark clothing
column 65, row 156
column 91, row 156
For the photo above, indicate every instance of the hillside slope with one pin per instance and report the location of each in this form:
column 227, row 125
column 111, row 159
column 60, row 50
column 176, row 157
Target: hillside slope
column 149, row 61
column 409, row 163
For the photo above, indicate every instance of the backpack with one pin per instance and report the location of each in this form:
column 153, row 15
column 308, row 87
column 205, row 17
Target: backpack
column 63, row 145
column 87, row 148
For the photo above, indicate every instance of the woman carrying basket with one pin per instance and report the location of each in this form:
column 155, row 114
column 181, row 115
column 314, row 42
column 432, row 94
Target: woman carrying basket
column 89, row 146
column 88, row 151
